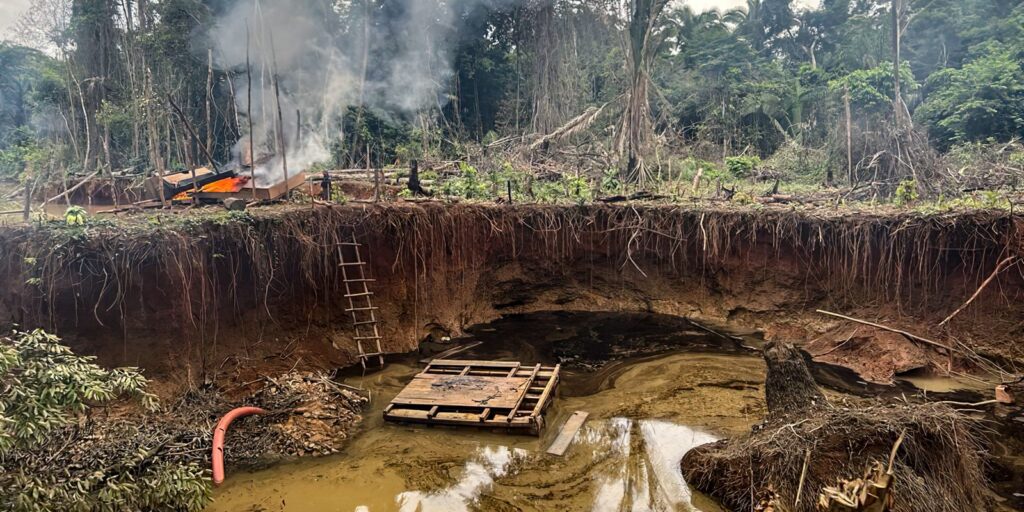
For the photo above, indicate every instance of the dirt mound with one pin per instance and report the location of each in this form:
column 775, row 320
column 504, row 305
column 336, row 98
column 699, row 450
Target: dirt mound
column 809, row 444
column 875, row 354
column 939, row 467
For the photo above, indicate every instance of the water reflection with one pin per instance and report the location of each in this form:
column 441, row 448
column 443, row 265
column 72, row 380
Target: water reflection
column 479, row 475
column 644, row 474
column 637, row 469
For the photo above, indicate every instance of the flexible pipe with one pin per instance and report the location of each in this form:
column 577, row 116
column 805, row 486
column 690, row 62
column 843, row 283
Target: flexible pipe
column 218, row 438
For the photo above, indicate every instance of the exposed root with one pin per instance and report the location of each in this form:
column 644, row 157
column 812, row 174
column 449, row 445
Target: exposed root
column 198, row 271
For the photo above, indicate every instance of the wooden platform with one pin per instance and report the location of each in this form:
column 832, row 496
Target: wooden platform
column 484, row 394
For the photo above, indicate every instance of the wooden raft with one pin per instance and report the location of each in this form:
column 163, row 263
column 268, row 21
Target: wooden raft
column 484, row 394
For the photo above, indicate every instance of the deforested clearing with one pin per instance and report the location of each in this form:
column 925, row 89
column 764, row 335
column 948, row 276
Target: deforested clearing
column 512, row 255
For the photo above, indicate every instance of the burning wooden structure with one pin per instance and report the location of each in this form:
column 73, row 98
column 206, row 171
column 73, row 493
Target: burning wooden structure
column 485, row 394
column 226, row 185
column 242, row 187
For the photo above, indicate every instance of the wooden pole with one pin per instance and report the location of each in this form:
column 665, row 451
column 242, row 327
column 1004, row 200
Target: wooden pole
column 192, row 133
column 209, row 99
column 28, row 200
column 280, row 121
column 849, row 136
column 248, row 114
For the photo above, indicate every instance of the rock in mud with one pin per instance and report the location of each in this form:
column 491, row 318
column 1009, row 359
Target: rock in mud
column 234, row 204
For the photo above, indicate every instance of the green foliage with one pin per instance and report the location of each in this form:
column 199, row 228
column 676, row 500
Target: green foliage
column 46, row 385
column 23, row 150
column 906, row 193
column 571, row 189
column 468, row 184
column 871, row 90
column 47, row 388
column 983, row 100
column 75, row 216
column 981, row 200
column 610, row 182
column 742, row 166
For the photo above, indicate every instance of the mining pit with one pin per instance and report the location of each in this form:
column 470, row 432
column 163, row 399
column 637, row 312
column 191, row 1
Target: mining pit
column 656, row 314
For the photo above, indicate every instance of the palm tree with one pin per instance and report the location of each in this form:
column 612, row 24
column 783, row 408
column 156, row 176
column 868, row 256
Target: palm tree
column 637, row 126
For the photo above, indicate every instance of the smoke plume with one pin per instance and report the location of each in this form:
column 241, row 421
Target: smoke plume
column 395, row 56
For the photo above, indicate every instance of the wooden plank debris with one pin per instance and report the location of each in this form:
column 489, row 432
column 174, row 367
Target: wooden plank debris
column 488, row 394
column 571, row 427
column 451, row 352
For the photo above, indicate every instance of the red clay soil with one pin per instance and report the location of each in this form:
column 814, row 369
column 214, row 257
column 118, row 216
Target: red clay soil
column 206, row 294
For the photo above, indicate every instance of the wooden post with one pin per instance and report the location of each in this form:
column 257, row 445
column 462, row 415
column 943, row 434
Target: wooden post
column 283, row 147
column 209, row 99
column 377, row 174
column 849, row 136
column 154, row 138
column 248, row 113
column 298, row 128
column 28, row 201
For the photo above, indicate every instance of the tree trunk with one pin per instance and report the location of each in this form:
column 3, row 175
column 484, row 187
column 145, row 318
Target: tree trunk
column 789, row 387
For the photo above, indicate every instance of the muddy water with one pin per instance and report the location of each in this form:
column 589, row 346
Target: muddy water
column 649, row 402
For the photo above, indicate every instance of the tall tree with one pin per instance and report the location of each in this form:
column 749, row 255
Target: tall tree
column 637, row 127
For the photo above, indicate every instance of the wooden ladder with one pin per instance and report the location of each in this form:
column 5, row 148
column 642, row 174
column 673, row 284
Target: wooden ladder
column 360, row 301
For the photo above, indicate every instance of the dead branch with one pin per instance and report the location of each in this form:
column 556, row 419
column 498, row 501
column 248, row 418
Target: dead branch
column 912, row 337
column 999, row 269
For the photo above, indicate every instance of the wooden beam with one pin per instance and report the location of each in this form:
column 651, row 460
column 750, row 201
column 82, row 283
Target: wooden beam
column 451, row 352
column 568, row 433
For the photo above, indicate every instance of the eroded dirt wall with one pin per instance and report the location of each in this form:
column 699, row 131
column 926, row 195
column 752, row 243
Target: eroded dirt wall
column 235, row 292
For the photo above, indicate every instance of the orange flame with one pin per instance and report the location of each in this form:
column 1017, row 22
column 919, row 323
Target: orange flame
column 224, row 186
column 227, row 185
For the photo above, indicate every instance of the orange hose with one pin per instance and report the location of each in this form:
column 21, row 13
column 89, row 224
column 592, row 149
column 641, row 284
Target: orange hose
column 218, row 438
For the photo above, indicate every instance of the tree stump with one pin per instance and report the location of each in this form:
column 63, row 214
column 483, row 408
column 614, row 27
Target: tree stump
column 789, row 387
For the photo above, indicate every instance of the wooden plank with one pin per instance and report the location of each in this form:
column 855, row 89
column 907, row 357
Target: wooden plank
column 483, row 364
column 463, row 391
column 451, row 352
column 568, row 433
column 542, row 402
column 519, row 402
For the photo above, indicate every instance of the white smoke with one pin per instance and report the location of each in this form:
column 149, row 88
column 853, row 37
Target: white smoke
column 409, row 66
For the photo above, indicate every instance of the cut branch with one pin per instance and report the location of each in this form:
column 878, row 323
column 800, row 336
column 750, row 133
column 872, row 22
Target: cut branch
column 912, row 337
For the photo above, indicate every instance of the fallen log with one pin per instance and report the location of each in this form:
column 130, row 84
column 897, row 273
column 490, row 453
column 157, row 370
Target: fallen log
column 72, row 189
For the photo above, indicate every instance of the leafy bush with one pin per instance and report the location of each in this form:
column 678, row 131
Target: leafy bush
column 468, row 184
column 48, row 464
column 742, row 166
column 906, row 193
column 46, row 385
column 610, row 182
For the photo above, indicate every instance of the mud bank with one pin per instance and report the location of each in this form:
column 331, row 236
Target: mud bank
column 220, row 294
